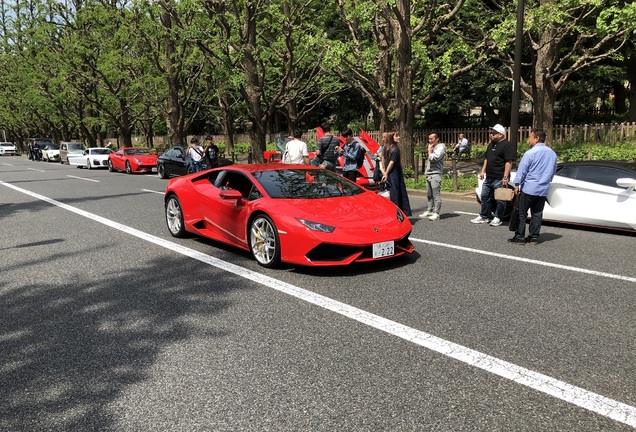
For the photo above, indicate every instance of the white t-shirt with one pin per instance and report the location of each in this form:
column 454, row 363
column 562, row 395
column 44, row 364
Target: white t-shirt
column 195, row 155
column 295, row 150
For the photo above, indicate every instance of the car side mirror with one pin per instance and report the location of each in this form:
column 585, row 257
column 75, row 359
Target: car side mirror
column 628, row 183
column 230, row 194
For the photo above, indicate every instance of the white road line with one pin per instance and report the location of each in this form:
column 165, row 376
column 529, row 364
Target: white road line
column 578, row 396
column 82, row 178
column 7, row 164
column 527, row 260
column 148, row 190
column 35, row 169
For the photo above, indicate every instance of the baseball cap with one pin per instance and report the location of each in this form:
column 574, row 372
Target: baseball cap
column 499, row 129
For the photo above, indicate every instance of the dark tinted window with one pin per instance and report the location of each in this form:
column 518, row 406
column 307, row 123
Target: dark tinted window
column 601, row 175
column 303, row 183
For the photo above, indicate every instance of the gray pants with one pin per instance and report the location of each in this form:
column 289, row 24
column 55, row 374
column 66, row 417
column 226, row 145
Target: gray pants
column 434, row 192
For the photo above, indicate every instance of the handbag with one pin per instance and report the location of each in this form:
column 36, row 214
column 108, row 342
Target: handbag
column 384, row 189
column 504, row 194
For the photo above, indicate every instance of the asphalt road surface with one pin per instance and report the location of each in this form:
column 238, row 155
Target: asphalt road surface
column 107, row 323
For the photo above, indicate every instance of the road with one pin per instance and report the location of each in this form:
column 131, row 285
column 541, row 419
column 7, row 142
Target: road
column 108, row 323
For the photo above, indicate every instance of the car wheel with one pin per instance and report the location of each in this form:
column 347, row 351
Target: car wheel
column 189, row 170
column 174, row 217
column 161, row 171
column 128, row 168
column 110, row 165
column 88, row 164
column 264, row 241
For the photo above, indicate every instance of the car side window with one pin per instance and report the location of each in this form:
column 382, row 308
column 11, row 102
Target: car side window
column 605, row 176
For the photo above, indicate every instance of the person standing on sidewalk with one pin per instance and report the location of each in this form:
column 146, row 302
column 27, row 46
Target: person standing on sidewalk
column 495, row 171
column 394, row 174
column 536, row 171
column 434, row 171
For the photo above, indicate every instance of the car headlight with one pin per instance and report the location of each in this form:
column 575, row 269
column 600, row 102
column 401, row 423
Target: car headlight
column 315, row 226
column 400, row 215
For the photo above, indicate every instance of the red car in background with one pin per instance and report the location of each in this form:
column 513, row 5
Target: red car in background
column 133, row 160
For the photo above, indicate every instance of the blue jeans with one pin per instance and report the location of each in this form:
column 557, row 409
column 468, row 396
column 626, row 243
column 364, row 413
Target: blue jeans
column 488, row 196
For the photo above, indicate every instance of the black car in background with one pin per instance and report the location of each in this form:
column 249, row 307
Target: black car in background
column 174, row 162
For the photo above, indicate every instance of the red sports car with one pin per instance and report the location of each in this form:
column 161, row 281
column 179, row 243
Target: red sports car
column 133, row 159
column 295, row 214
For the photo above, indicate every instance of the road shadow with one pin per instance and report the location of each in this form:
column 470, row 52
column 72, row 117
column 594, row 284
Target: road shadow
column 68, row 350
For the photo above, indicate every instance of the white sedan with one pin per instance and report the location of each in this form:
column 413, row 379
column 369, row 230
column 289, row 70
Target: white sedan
column 7, row 148
column 592, row 193
column 51, row 153
column 94, row 157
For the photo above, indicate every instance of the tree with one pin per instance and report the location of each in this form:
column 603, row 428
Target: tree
column 564, row 38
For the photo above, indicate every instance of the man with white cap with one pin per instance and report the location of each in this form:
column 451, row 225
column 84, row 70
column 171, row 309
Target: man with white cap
column 495, row 173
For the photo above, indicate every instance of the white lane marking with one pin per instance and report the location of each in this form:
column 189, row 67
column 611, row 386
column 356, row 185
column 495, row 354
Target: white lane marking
column 148, row 190
column 82, row 178
column 527, row 260
column 466, row 213
column 7, row 164
column 578, row 396
column 35, row 169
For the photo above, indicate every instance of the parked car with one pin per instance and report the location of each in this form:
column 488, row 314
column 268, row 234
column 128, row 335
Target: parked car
column 93, row 157
column 592, row 193
column 51, row 152
column 175, row 162
column 291, row 213
column 132, row 160
column 35, row 146
column 68, row 149
column 8, row 149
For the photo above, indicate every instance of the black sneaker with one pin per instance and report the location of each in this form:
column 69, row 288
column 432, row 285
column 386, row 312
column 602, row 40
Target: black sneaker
column 517, row 240
column 533, row 240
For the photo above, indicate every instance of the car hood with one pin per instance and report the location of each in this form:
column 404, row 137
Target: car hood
column 144, row 158
column 367, row 209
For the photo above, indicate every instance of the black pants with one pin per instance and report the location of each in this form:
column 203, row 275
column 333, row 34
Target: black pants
column 535, row 204
column 351, row 175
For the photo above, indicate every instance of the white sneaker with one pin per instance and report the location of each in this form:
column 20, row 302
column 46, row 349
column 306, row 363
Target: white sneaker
column 479, row 220
column 495, row 222
column 426, row 214
column 433, row 217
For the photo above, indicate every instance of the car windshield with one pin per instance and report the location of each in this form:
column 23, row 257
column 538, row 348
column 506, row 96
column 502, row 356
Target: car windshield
column 6, row 144
column 137, row 151
column 305, row 183
column 100, row 151
column 52, row 147
column 75, row 147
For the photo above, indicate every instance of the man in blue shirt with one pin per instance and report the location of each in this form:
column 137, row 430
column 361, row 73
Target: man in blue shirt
column 535, row 172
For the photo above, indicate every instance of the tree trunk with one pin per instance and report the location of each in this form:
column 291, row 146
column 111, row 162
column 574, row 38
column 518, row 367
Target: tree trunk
column 228, row 123
column 630, row 63
column 173, row 108
column 544, row 88
column 252, row 88
column 404, row 81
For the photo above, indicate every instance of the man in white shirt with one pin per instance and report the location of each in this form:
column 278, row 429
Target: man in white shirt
column 296, row 150
column 195, row 151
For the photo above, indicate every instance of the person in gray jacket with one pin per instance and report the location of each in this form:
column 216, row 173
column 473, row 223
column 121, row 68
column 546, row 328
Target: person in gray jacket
column 434, row 170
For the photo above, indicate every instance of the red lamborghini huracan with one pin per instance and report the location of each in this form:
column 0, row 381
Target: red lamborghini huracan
column 296, row 214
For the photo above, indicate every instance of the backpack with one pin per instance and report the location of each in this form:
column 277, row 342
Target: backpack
column 360, row 156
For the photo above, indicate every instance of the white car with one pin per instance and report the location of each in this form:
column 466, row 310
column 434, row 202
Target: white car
column 592, row 193
column 51, row 153
column 94, row 157
column 8, row 149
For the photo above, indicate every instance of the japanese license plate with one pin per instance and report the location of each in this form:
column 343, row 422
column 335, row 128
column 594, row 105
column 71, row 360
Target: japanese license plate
column 383, row 249
column 154, row 169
